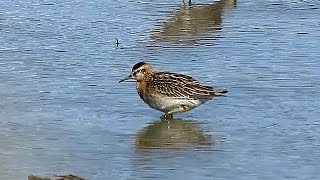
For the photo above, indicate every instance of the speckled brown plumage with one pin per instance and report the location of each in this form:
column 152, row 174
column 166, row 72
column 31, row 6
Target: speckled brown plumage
column 170, row 92
column 182, row 86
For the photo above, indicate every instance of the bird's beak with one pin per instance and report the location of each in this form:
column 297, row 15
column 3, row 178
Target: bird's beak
column 126, row 78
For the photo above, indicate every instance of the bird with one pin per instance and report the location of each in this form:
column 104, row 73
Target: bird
column 55, row 177
column 170, row 92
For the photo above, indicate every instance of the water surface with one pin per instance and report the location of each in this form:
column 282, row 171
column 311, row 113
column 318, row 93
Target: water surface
column 62, row 110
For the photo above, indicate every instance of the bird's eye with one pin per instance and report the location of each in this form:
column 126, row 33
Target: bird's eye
column 141, row 71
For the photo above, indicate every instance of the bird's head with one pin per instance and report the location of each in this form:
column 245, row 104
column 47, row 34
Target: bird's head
column 140, row 71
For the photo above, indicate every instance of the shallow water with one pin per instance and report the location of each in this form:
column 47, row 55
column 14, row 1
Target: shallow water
column 62, row 110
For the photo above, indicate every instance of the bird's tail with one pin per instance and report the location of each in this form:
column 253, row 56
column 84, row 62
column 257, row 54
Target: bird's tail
column 219, row 92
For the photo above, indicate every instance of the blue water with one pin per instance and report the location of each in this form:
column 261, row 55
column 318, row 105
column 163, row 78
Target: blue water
column 62, row 110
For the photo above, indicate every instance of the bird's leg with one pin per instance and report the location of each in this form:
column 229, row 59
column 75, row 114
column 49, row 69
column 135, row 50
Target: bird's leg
column 169, row 115
column 166, row 117
column 184, row 2
column 185, row 108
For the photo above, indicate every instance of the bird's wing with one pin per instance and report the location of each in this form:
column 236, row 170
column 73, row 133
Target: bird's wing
column 182, row 86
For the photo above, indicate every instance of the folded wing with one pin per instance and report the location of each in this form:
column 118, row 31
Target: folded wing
column 183, row 86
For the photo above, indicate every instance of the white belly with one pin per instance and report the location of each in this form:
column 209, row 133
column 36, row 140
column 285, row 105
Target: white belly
column 166, row 104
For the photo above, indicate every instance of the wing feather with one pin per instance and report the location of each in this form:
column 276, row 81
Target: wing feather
column 182, row 86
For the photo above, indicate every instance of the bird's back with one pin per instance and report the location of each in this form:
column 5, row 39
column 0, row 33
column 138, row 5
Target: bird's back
column 182, row 86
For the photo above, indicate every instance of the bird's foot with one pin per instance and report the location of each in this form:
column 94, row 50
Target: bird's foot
column 166, row 117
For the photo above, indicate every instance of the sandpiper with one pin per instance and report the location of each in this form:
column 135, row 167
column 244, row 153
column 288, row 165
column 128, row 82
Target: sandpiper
column 170, row 92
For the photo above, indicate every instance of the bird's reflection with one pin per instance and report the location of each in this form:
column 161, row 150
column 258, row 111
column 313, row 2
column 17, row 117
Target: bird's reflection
column 177, row 133
column 193, row 22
